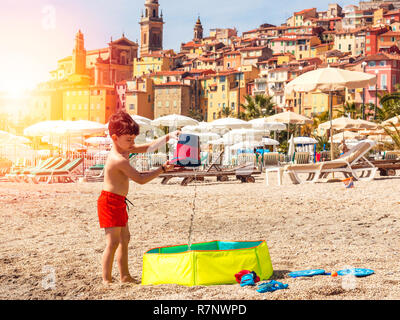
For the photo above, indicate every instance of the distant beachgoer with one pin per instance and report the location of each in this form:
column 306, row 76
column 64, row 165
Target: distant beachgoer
column 112, row 203
column 343, row 147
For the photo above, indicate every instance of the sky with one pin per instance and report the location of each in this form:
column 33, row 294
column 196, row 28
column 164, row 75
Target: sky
column 35, row 34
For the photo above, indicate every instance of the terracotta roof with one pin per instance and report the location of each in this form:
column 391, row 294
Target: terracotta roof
column 382, row 56
column 169, row 73
column 303, row 11
column 171, row 84
column 253, row 48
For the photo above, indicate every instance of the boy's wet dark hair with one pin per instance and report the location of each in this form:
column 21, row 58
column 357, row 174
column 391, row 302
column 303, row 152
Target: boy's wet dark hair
column 121, row 123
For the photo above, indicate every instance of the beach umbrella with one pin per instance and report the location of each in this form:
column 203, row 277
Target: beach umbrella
column 230, row 123
column 269, row 142
column 80, row 128
column 4, row 135
column 341, row 123
column 201, row 127
column 174, row 120
column 289, row 117
column 264, row 124
column 245, row 145
column 329, row 80
column 141, row 118
column 346, row 135
column 239, row 135
column 219, row 141
column 99, row 140
column 367, row 125
column 44, row 128
column 304, row 140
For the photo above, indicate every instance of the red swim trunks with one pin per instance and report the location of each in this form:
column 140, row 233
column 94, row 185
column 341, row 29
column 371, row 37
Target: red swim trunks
column 111, row 209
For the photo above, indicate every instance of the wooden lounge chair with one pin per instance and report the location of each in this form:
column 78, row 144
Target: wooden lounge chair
column 19, row 175
column 64, row 174
column 351, row 164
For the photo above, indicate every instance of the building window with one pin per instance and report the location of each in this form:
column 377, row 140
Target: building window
column 175, row 104
column 371, row 64
column 214, row 116
column 382, row 63
column 132, row 106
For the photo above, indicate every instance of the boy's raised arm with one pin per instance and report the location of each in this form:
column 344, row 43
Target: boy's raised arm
column 136, row 176
column 153, row 146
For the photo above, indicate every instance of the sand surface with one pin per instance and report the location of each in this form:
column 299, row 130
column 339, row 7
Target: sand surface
column 51, row 243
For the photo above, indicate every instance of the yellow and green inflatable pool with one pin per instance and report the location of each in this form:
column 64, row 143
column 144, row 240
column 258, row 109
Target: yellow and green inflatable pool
column 207, row 263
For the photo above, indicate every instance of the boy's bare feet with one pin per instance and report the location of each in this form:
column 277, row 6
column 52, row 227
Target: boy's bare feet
column 107, row 282
column 129, row 279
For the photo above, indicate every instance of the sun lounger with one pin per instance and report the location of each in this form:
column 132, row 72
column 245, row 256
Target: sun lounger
column 64, row 174
column 18, row 175
column 351, row 164
column 244, row 173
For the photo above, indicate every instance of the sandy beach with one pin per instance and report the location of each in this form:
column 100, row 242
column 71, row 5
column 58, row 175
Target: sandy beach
column 53, row 230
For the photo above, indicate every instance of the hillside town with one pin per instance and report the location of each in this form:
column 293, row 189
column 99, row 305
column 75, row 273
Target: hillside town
column 215, row 75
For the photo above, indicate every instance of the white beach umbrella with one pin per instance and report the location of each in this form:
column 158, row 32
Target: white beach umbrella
column 270, row 142
column 17, row 140
column 289, row 117
column 264, row 124
column 245, row 145
column 174, row 120
column 141, row 118
column 44, row 128
column 304, row 140
column 230, row 123
column 99, row 140
column 81, row 128
column 239, row 135
column 345, row 135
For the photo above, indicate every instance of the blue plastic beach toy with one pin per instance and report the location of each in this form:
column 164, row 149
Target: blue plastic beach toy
column 247, row 280
column 271, row 286
column 307, row 273
column 358, row 272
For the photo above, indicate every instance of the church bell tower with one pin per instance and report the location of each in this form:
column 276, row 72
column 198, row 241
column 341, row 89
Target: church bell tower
column 151, row 28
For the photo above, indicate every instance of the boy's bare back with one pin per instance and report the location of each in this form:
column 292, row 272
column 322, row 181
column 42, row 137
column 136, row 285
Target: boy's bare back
column 115, row 180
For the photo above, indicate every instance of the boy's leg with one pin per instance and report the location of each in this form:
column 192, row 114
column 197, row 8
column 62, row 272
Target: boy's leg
column 112, row 242
column 122, row 255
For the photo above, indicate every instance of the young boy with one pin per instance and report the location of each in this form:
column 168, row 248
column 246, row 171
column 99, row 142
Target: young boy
column 111, row 205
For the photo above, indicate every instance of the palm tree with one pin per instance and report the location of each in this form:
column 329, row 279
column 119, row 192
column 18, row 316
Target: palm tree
column 226, row 112
column 349, row 109
column 395, row 135
column 197, row 115
column 257, row 107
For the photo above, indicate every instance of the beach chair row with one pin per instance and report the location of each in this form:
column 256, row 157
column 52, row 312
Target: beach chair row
column 55, row 169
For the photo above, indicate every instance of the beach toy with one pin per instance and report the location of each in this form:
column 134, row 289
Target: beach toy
column 307, row 273
column 334, row 274
column 207, row 263
column 239, row 275
column 187, row 153
column 247, row 280
column 271, row 286
column 358, row 272
column 349, row 183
